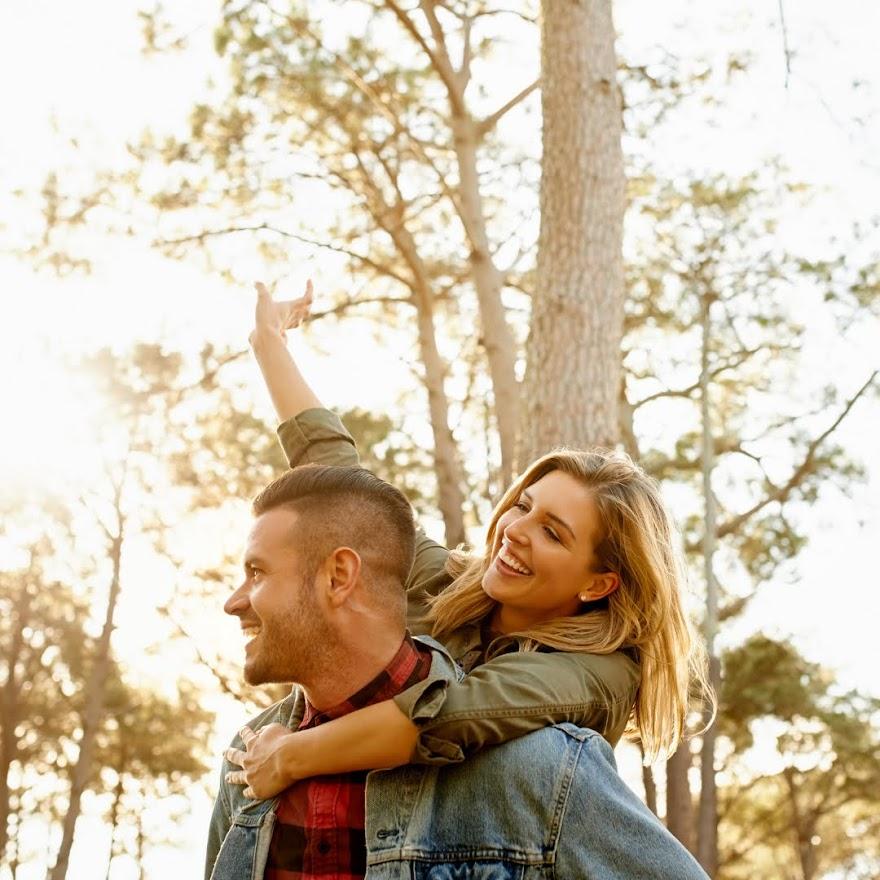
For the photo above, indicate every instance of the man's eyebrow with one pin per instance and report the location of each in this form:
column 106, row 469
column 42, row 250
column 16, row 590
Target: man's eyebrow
column 252, row 562
column 554, row 517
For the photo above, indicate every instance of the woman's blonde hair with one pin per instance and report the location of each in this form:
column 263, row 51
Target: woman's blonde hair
column 641, row 545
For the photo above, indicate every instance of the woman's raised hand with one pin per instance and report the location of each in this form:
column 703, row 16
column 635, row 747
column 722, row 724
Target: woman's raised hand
column 277, row 318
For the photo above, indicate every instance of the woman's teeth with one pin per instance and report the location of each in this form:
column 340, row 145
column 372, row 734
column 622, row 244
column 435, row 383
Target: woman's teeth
column 510, row 562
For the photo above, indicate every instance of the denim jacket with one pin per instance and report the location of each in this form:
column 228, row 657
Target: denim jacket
column 549, row 805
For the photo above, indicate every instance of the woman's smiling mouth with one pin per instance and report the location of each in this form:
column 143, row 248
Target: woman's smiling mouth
column 508, row 564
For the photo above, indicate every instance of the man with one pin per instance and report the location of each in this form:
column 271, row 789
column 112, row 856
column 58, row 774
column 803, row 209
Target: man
column 323, row 603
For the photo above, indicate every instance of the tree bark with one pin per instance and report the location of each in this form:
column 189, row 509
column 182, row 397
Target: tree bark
column 446, row 461
column 804, row 829
column 467, row 132
column 496, row 334
column 118, row 791
column 707, row 820
column 573, row 377
column 10, row 708
column 95, row 702
column 679, row 805
column 649, row 784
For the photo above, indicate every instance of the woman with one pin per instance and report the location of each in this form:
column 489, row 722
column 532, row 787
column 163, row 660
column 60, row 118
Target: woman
column 572, row 613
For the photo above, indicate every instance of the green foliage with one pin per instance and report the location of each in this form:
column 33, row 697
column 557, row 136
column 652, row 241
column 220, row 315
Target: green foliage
column 45, row 660
column 817, row 808
column 711, row 241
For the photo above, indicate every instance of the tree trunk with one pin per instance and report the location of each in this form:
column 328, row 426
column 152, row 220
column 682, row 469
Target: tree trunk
column 679, row 805
column 649, row 783
column 447, row 467
column 804, row 829
column 497, row 336
column 118, row 791
column 707, row 821
column 94, row 706
column 10, row 707
column 573, row 378
column 446, row 462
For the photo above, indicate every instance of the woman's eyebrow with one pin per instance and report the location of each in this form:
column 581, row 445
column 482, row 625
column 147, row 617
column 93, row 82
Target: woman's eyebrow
column 554, row 517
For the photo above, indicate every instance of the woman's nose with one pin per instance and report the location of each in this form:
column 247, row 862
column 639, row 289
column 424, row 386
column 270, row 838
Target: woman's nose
column 515, row 532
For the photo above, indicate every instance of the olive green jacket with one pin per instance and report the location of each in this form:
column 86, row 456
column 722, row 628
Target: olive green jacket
column 511, row 695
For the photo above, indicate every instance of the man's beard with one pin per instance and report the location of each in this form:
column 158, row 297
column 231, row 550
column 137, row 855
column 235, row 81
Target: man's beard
column 293, row 646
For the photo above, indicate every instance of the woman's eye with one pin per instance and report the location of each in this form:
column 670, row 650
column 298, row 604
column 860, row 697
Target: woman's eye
column 552, row 534
column 521, row 505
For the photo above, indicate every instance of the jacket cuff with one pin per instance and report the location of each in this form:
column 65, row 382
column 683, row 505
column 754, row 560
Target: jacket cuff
column 421, row 703
column 303, row 438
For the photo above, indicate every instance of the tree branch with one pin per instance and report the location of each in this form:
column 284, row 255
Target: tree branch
column 781, row 493
column 486, row 125
column 265, row 227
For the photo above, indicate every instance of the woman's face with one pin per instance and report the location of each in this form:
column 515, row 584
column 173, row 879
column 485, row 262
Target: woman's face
column 543, row 555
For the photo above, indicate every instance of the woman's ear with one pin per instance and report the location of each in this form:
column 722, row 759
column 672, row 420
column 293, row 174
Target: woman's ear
column 600, row 586
column 342, row 570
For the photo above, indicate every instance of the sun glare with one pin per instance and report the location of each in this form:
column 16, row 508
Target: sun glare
column 51, row 438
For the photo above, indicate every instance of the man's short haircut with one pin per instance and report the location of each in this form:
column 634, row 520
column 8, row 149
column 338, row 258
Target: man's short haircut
column 348, row 507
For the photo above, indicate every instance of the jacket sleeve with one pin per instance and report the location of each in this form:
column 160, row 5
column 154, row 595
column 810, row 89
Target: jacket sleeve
column 317, row 436
column 609, row 829
column 515, row 694
column 221, row 820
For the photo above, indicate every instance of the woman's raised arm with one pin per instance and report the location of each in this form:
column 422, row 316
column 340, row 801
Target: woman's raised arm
column 289, row 391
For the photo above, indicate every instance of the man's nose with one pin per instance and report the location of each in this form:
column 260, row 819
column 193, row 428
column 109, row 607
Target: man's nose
column 237, row 602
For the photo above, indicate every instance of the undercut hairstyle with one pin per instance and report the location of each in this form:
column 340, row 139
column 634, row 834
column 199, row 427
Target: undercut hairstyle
column 348, row 506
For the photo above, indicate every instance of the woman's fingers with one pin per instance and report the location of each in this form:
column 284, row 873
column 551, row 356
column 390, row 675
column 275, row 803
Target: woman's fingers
column 236, row 756
column 247, row 735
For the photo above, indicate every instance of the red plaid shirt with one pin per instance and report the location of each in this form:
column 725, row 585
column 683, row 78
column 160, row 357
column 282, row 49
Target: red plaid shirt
column 319, row 826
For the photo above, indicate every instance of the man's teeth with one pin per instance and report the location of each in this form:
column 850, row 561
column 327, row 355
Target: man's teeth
column 513, row 563
column 250, row 631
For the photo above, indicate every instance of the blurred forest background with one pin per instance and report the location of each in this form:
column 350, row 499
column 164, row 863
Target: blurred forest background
column 619, row 238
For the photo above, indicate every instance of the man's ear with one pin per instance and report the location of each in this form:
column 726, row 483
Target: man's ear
column 600, row 586
column 342, row 573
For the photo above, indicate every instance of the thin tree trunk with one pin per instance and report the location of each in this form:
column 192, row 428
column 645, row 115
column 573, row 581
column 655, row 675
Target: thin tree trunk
column 707, row 821
column 118, row 791
column 649, row 783
column 572, row 384
column 141, row 839
column 497, row 336
column 95, row 703
column 804, row 830
column 467, row 132
column 15, row 836
column 10, row 707
column 446, row 461
column 679, row 804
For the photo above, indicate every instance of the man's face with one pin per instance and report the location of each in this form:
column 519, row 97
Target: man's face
column 277, row 605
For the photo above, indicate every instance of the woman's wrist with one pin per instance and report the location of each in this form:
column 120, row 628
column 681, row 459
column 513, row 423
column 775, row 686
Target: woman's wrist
column 293, row 756
column 262, row 338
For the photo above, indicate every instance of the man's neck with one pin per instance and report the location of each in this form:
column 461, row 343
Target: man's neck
column 348, row 670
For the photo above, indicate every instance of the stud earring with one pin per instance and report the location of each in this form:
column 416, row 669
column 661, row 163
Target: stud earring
column 583, row 597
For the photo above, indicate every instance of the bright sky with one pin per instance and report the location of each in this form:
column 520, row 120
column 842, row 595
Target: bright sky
column 77, row 69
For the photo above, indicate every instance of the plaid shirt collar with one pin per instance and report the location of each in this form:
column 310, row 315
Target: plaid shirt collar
column 394, row 678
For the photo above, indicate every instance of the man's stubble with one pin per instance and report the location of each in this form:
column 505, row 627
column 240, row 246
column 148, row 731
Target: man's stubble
column 293, row 647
